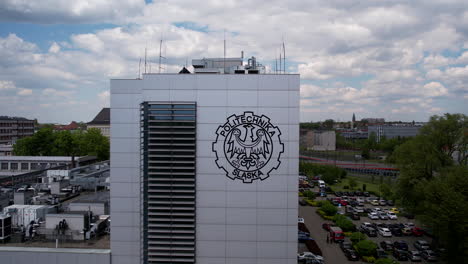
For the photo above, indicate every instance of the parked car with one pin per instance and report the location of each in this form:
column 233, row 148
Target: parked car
column 400, row 255
column 421, row 245
column 326, row 226
column 366, row 194
column 382, row 202
column 429, row 255
column 386, row 245
column 390, row 203
column 375, row 202
column 370, row 232
column 383, row 216
column 336, row 234
column 358, row 193
column 392, row 216
column 359, row 209
column 380, row 253
column 353, row 215
column 360, row 201
column 385, row 232
column 346, row 245
column 396, row 231
column 338, row 194
column 395, row 210
column 406, row 231
column 302, row 202
column 401, row 245
column 416, row 231
column 414, row 256
column 351, row 255
column 373, row 216
column 308, row 255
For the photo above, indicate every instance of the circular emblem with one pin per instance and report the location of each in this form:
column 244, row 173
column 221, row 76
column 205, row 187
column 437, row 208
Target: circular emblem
column 248, row 147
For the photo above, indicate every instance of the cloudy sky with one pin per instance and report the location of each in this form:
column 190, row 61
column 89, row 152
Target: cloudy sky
column 401, row 60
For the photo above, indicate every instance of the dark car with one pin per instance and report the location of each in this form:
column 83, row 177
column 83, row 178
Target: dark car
column 354, row 215
column 338, row 194
column 358, row 193
column 390, row 203
column 366, row 194
column 429, row 255
column 396, row 231
column 386, row 245
column 302, row 202
column 380, row 253
column 351, row 255
column 345, row 245
column 400, row 245
column 400, row 255
column 370, row 232
column 421, row 245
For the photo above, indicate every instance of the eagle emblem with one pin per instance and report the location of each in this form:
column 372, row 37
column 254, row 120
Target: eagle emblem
column 248, row 147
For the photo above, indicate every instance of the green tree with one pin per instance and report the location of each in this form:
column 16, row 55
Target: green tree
column 346, row 224
column 352, row 183
column 329, row 208
column 310, row 195
column 386, row 191
column 366, row 248
column 356, row 237
column 329, row 123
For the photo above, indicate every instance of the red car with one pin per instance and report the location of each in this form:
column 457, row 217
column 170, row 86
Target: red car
column 416, row 231
column 343, row 202
column 326, row 226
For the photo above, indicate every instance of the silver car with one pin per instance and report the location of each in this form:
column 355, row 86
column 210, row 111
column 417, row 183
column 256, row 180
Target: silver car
column 415, row 256
column 383, row 216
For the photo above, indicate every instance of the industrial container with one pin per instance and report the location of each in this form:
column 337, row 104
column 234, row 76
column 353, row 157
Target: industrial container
column 24, row 214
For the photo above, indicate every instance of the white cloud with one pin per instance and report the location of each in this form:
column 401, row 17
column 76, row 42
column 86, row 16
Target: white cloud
column 434, row 89
column 25, row 92
column 7, row 85
column 54, row 48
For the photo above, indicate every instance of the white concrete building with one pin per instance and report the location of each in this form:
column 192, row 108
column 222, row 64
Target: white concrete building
column 204, row 168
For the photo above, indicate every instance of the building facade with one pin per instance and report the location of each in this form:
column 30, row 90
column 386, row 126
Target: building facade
column 204, row 168
column 102, row 122
column 318, row 140
column 14, row 128
column 395, row 131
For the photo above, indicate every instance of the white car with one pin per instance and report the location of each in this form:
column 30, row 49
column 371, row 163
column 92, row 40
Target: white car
column 375, row 202
column 392, row 215
column 373, row 216
column 385, row 232
column 359, row 209
column 309, row 255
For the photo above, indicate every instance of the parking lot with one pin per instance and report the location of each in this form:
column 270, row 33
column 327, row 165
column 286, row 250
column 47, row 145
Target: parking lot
column 332, row 252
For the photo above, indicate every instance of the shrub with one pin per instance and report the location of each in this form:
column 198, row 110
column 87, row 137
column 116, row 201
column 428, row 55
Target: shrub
column 385, row 261
column 300, row 194
column 348, row 234
column 312, row 203
column 368, row 259
column 310, row 195
column 346, row 187
column 346, row 224
column 324, row 215
column 329, row 208
column 366, row 248
column 338, row 217
column 356, row 237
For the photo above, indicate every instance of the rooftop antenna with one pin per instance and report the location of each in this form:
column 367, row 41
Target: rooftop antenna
column 145, row 60
column 280, row 62
column 139, row 69
column 224, row 60
column 160, row 56
column 276, row 63
column 284, row 57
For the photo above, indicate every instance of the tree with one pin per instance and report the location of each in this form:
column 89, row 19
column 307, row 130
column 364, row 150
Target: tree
column 328, row 208
column 328, row 123
column 356, row 237
column 310, row 195
column 352, row 183
column 366, row 248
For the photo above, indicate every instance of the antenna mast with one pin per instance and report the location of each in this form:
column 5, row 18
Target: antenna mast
column 160, row 56
column 280, row 68
column 224, row 60
column 284, row 57
column 139, row 69
column 145, row 60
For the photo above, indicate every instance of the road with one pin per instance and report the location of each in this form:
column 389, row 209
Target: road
column 331, row 252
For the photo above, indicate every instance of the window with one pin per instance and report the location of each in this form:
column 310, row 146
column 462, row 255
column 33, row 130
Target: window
column 24, row 166
column 4, row 166
column 14, row 166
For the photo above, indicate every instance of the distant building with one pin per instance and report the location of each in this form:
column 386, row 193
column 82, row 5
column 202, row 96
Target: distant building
column 317, row 139
column 102, row 122
column 70, row 127
column 373, row 120
column 14, row 128
column 354, row 134
column 6, row 150
column 389, row 131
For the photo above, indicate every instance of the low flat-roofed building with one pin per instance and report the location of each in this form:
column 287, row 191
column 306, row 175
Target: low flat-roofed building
column 14, row 128
column 22, row 164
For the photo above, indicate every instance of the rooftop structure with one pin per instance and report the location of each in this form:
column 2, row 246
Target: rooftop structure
column 101, row 121
column 227, row 66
